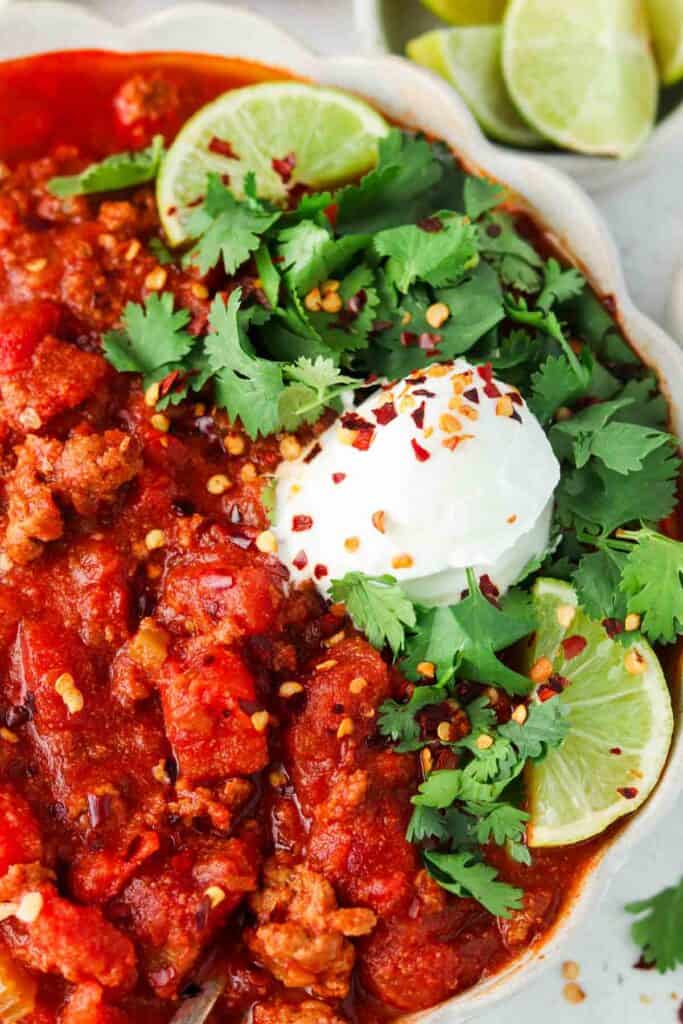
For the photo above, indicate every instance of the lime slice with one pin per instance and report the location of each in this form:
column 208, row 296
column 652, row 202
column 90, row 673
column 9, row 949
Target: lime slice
column 469, row 58
column 582, row 73
column 621, row 723
column 467, row 12
column 331, row 135
column 666, row 24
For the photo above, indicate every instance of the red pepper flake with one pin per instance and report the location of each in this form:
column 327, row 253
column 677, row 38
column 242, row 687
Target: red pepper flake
column 612, row 627
column 419, row 416
column 320, row 571
column 555, row 685
column 385, row 414
column 332, row 212
column 432, row 225
column 363, row 439
column 222, row 147
column 363, row 429
column 301, row 523
column 628, row 792
column 424, row 393
column 516, row 397
column 416, row 378
column 645, row 965
column 196, row 202
column 284, row 168
column 429, row 343
column 168, row 382
column 494, row 230
column 357, row 302
column 338, row 477
column 315, row 450
column 381, row 325
column 300, row 561
column 171, row 211
column 573, row 646
column 472, row 395
column 421, row 454
column 486, row 374
column 408, row 339
column 488, row 587
column 615, row 750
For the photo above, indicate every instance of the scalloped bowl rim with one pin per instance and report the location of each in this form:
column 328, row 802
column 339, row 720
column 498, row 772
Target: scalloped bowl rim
column 415, row 97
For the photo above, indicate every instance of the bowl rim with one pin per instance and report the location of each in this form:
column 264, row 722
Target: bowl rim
column 594, row 172
column 414, row 96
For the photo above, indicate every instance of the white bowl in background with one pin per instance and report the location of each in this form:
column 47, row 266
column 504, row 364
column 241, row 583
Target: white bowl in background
column 384, row 26
column 414, row 97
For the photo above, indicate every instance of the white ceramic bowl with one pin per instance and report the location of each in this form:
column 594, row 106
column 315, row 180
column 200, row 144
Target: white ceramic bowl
column 384, row 26
column 414, row 97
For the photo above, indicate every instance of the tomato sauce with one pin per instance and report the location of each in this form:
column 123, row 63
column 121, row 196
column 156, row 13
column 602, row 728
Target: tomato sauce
column 179, row 794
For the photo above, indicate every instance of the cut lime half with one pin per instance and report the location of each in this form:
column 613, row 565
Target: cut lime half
column 620, row 724
column 470, row 59
column 317, row 137
column 582, row 73
column 467, row 12
column 666, row 24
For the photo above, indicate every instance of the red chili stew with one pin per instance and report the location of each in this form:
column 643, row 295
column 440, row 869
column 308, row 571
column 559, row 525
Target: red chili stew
column 176, row 794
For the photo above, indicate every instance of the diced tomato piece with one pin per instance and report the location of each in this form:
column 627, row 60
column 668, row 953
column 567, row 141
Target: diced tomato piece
column 22, row 328
column 19, row 832
column 208, row 702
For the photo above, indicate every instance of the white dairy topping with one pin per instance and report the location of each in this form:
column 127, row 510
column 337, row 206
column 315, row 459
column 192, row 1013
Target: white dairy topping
column 445, row 470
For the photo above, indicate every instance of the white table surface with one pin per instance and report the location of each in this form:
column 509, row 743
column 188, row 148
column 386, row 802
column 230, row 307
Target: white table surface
column 646, row 218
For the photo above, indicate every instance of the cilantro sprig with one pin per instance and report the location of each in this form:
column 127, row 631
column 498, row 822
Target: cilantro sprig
column 116, row 172
column 659, row 930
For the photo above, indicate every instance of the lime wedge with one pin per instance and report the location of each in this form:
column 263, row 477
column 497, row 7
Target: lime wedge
column 620, row 719
column 469, row 58
column 666, row 24
column 330, row 136
column 467, row 12
column 582, row 73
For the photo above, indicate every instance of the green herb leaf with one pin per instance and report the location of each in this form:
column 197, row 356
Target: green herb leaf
column 622, row 447
column 652, row 580
column 498, row 823
column 246, row 386
column 378, row 607
column 226, row 228
column 557, row 383
column 513, row 257
column 545, row 728
column 310, row 255
column 121, row 170
column 481, row 196
column 559, row 285
column 153, row 336
column 597, row 581
column 659, row 932
column 160, row 252
column 462, row 875
column 437, row 257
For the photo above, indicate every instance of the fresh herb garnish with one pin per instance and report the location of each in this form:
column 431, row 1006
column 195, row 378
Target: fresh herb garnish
column 463, row 875
column 659, row 932
column 377, row 606
column 122, row 170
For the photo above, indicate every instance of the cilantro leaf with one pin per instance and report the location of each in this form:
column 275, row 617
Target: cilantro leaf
column 349, row 329
column 621, row 446
column 652, row 580
column 498, row 823
column 310, row 255
column 246, row 386
column 268, row 273
column 600, row 499
column 413, row 177
column 659, row 933
column 397, row 721
column 437, row 257
column 559, row 285
column 153, row 336
column 160, row 252
column 556, row 383
column 119, row 171
column 513, row 257
column 468, row 635
column 647, row 406
column 226, row 228
column 378, row 607
column 462, row 875
column 452, row 825
column 545, row 728
column 597, row 581
column 481, row 196
column 313, row 385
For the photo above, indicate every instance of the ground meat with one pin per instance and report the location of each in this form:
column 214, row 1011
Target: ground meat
column 87, row 1005
column 310, row 1011
column 76, row 942
column 145, row 98
column 86, row 471
column 59, row 377
column 301, row 935
column 524, row 924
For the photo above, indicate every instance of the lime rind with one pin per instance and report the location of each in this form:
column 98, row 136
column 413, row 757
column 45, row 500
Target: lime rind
column 621, row 725
column 666, row 25
column 332, row 134
column 466, row 12
column 470, row 59
column 585, row 76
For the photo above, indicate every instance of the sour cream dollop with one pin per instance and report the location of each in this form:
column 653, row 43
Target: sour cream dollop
column 444, row 470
